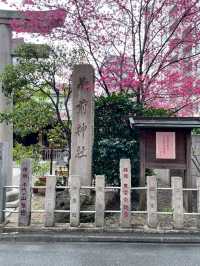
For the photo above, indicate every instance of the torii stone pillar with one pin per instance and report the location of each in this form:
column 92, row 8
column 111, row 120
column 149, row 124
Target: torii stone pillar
column 6, row 131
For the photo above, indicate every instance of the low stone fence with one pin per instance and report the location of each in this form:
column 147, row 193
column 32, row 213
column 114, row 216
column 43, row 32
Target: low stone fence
column 126, row 211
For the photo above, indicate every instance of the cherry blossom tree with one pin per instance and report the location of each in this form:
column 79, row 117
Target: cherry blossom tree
column 150, row 47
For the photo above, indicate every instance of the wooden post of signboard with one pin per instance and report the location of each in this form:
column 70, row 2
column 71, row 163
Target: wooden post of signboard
column 142, row 182
column 198, row 200
column 188, row 177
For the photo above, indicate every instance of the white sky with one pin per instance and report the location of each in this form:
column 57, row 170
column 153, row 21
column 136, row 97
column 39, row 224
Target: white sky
column 7, row 7
column 4, row 6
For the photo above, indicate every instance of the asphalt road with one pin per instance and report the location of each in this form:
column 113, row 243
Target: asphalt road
column 98, row 254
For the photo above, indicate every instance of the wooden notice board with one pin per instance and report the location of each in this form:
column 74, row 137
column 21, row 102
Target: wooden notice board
column 165, row 143
column 164, row 149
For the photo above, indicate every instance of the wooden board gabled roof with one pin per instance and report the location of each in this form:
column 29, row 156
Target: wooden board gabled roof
column 165, row 122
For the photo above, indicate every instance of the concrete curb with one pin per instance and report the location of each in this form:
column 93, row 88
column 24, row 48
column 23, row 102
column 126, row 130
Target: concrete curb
column 171, row 238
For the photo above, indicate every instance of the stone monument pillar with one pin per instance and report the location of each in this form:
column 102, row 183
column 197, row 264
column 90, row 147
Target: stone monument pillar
column 6, row 130
column 82, row 123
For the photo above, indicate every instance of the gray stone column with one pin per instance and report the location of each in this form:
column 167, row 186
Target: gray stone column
column 100, row 201
column 177, row 201
column 82, row 122
column 74, row 200
column 3, row 159
column 25, row 193
column 50, row 200
column 6, row 130
column 152, row 216
column 125, row 196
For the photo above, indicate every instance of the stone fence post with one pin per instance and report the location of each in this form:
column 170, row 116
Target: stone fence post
column 152, row 216
column 177, row 201
column 100, row 201
column 25, row 193
column 125, row 177
column 50, row 199
column 3, row 161
column 75, row 185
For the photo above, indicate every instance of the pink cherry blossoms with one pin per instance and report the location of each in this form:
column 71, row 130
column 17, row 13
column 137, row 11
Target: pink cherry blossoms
column 149, row 47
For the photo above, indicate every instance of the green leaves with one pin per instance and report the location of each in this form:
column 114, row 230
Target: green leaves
column 114, row 138
column 56, row 136
column 107, row 154
column 29, row 51
column 38, row 91
column 32, row 116
column 21, row 152
column 29, row 117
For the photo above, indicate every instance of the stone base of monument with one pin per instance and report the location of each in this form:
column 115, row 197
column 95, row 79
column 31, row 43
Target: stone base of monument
column 87, row 204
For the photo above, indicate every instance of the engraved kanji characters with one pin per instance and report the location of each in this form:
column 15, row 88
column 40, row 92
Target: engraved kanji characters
column 84, row 84
column 125, row 193
column 80, row 130
column 81, row 152
column 82, row 106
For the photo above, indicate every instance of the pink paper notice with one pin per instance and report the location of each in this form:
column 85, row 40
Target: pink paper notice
column 165, row 145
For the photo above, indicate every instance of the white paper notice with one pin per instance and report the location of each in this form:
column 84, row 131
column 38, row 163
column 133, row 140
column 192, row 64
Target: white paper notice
column 165, row 145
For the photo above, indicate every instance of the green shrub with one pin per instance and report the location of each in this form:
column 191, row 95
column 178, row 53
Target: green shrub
column 21, row 152
column 114, row 139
